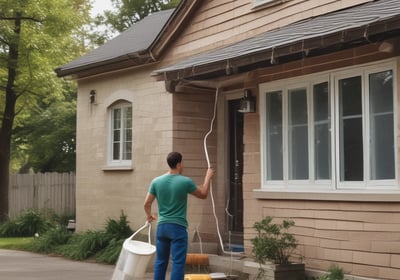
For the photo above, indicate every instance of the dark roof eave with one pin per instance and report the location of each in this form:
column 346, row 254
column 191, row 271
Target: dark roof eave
column 354, row 35
column 128, row 60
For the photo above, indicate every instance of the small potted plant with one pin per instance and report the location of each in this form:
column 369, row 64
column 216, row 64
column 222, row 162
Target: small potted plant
column 272, row 248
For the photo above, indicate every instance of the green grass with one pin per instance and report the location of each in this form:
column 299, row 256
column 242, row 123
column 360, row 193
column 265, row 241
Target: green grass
column 15, row 243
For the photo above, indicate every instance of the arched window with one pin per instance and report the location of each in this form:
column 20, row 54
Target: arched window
column 120, row 148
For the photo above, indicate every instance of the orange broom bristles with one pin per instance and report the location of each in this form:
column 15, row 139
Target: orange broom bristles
column 197, row 259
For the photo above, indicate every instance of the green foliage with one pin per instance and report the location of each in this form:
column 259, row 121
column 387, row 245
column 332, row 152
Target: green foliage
column 273, row 241
column 84, row 245
column 128, row 12
column 61, row 220
column 26, row 224
column 53, row 237
column 111, row 253
column 35, row 38
column 46, row 141
column 50, row 240
column 118, row 229
column 15, row 243
column 104, row 245
column 334, row 273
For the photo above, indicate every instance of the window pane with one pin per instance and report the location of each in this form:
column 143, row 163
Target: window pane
column 117, row 118
column 298, row 134
column 122, row 133
column 127, row 145
column 117, row 135
column 127, row 154
column 274, row 136
column 322, row 129
column 382, row 165
column 116, row 151
column 350, row 130
column 128, row 119
column 127, row 150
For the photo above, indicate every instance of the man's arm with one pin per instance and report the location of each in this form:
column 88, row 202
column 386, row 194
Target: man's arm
column 203, row 190
column 147, row 207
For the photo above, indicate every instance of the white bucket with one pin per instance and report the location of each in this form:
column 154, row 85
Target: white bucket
column 139, row 255
column 134, row 258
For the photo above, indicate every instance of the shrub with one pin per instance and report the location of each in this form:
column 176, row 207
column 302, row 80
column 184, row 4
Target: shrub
column 334, row 273
column 273, row 241
column 50, row 240
column 84, row 245
column 61, row 219
column 104, row 245
column 26, row 224
column 118, row 229
column 111, row 253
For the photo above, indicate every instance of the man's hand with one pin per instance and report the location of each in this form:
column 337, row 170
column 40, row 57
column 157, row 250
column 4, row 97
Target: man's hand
column 151, row 218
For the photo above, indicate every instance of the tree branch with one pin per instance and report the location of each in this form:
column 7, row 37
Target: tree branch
column 22, row 18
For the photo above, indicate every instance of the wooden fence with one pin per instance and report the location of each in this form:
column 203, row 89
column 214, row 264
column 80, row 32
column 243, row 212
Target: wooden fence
column 55, row 191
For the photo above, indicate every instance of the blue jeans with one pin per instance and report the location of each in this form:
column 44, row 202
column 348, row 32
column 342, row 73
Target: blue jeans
column 170, row 239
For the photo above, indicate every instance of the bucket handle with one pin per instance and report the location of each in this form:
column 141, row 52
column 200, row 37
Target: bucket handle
column 147, row 224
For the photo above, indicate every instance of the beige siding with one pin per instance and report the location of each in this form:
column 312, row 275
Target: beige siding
column 103, row 194
column 222, row 22
column 193, row 113
column 361, row 237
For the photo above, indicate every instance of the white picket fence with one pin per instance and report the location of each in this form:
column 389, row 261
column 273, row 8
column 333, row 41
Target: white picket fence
column 42, row 191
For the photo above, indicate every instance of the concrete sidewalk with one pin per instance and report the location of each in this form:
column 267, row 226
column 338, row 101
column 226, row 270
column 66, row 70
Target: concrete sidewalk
column 20, row 265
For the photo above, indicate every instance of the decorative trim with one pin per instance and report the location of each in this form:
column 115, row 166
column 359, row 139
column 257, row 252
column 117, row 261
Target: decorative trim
column 365, row 196
column 117, row 168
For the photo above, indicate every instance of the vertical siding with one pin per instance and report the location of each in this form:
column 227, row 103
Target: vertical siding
column 42, row 191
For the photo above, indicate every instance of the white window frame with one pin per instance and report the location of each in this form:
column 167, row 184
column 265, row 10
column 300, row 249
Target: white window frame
column 120, row 163
column 334, row 184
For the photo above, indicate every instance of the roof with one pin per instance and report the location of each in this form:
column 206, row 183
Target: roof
column 356, row 23
column 128, row 45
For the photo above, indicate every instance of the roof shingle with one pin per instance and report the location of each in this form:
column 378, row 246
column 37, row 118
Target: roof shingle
column 134, row 40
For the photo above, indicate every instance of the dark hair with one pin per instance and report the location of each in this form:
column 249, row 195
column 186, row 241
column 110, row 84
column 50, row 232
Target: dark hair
column 173, row 159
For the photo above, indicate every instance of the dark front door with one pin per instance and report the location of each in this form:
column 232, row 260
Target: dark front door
column 235, row 142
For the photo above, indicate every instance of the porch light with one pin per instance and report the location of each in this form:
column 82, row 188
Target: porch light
column 248, row 103
column 92, row 97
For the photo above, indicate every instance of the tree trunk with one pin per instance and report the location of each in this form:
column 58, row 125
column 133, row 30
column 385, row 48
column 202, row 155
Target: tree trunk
column 8, row 119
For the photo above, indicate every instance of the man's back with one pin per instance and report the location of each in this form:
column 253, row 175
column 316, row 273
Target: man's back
column 171, row 191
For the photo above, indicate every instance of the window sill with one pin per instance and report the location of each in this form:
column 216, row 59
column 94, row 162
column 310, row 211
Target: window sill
column 118, row 168
column 341, row 195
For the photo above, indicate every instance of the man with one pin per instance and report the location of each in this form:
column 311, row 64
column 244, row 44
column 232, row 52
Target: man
column 171, row 190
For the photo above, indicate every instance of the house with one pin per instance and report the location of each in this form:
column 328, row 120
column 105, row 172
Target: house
column 306, row 124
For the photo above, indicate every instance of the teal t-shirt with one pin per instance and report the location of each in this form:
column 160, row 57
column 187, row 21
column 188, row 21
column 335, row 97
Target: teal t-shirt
column 171, row 191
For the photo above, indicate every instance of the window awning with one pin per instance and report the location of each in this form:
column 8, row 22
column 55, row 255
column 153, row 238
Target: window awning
column 356, row 25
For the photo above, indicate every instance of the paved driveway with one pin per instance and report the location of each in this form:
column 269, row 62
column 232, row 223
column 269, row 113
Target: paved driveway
column 18, row 265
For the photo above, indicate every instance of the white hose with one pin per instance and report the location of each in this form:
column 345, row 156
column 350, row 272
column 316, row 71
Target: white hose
column 209, row 165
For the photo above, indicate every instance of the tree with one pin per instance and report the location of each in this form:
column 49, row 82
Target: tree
column 128, row 12
column 35, row 37
column 45, row 142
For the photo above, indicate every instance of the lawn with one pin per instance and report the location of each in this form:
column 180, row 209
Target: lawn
column 16, row 243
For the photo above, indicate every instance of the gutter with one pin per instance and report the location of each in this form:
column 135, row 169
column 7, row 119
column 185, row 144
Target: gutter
column 131, row 59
